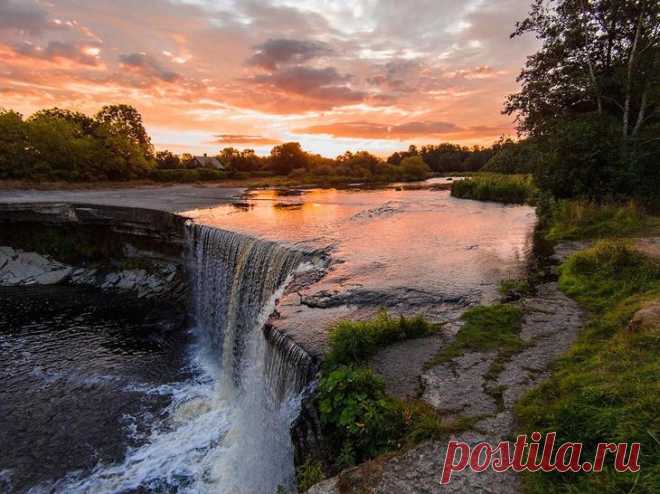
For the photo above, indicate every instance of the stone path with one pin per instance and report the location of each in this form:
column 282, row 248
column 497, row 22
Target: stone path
column 461, row 388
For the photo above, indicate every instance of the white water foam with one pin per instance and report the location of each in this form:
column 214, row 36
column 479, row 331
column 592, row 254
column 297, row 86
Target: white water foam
column 218, row 435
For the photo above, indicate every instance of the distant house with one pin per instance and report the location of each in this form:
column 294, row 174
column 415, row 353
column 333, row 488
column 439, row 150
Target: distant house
column 207, row 162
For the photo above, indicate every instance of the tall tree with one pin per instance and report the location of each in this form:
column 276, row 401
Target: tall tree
column 127, row 121
column 597, row 56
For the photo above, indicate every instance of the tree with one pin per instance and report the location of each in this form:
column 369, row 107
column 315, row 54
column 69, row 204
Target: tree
column 166, row 160
column 13, row 144
column 597, row 56
column 86, row 124
column 287, row 157
column 414, row 168
column 126, row 120
column 513, row 157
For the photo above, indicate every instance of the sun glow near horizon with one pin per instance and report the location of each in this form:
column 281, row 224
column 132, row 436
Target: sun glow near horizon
column 207, row 75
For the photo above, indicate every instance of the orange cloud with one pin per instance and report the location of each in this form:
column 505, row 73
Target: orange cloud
column 242, row 140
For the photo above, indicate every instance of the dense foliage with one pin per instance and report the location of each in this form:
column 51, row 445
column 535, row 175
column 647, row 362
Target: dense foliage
column 59, row 144
column 360, row 421
column 589, row 97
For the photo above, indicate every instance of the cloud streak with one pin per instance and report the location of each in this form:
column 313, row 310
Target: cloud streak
column 328, row 73
column 370, row 130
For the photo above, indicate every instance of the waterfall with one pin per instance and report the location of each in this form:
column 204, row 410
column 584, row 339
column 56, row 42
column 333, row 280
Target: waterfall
column 233, row 276
column 228, row 429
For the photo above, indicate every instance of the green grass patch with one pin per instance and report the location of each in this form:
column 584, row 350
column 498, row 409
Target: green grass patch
column 606, row 388
column 359, row 420
column 575, row 220
column 516, row 189
column 606, row 273
column 485, row 328
column 355, row 341
column 515, row 286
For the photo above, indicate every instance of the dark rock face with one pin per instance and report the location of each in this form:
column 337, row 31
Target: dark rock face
column 113, row 248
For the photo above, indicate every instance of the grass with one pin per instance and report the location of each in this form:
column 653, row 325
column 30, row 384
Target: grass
column 359, row 420
column 355, row 341
column 576, row 220
column 516, row 189
column 607, row 387
column 485, row 328
column 515, row 286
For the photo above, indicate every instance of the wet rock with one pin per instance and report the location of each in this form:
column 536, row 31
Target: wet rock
column 466, row 387
column 565, row 249
column 28, row 268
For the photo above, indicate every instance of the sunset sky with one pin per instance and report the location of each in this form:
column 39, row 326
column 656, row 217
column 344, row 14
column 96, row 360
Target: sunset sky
column 331, row 74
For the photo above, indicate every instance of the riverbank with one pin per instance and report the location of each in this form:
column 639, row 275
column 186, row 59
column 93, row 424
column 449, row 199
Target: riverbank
column 574, row 353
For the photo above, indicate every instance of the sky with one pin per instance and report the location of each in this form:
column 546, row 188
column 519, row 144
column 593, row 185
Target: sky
column 334, row 75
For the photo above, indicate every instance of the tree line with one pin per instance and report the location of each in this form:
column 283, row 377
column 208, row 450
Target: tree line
column 59, row 144
column 590, row 98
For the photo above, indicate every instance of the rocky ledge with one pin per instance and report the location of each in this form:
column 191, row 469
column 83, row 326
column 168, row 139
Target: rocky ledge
column 20, row 268
column 109, row 247
column 466, row 386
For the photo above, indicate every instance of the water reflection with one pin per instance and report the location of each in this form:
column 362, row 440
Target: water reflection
column 389, row 239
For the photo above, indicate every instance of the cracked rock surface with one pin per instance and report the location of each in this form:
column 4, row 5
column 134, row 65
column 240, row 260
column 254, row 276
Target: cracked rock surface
column 461, row 387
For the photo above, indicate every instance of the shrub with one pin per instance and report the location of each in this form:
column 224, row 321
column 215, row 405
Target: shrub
column 355, row 341
column 359, row 419
column 414, row 168
column 357, row 414
column 517, row 189
column 308, row 474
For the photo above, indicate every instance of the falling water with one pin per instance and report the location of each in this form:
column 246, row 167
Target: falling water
column 228, row 430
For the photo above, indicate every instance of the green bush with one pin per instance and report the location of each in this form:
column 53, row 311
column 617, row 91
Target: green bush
column 359, row 419
column 355, row 341
column 357, row 414
column 517, row 189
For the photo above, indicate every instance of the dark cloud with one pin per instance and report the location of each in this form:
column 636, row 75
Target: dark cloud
column 56, row 50
column 244, row 139
column 397, row 74
column 326, row 83
column 282, row 51
column 370, row 130
column 149, row 66
column 23, row 15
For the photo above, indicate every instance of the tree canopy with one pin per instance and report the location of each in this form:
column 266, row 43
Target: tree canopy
column 597, row 56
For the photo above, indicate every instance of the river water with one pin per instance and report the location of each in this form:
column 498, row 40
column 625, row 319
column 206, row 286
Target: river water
column 99, row 397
